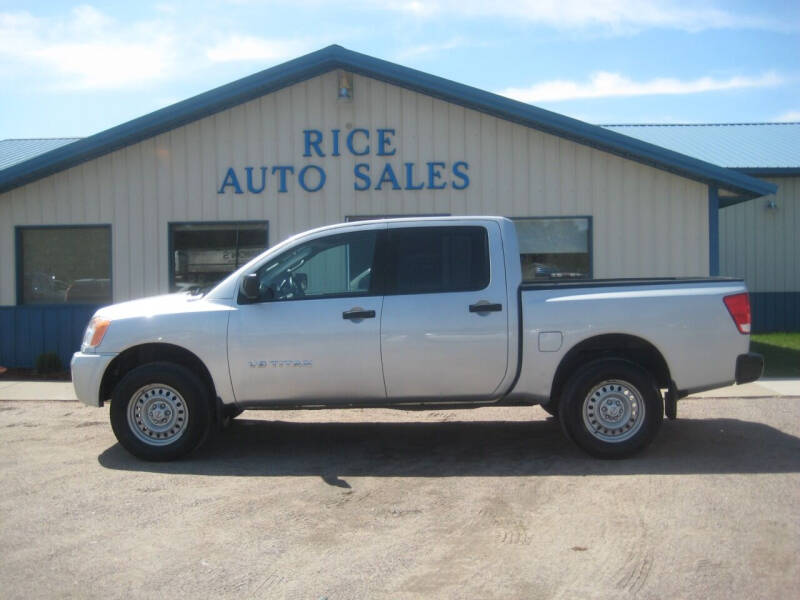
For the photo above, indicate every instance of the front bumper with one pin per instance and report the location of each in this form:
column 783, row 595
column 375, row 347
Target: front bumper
column 87, row 374
column 749, row 367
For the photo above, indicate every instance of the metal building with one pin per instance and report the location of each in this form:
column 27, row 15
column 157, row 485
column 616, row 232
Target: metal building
column 759, row 240
column 179, row 197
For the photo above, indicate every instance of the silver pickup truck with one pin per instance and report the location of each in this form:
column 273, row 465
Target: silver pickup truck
column 411, row 313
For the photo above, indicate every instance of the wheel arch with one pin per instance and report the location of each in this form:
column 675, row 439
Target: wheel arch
column 143, row 354
column 612, row 345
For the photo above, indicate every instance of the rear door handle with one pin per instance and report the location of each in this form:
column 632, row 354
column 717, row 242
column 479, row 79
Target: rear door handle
column 479, row 307
column 357, row 313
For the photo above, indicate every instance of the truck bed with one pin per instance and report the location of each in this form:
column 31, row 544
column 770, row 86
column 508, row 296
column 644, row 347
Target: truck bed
column 622, row 281
column 683, row 319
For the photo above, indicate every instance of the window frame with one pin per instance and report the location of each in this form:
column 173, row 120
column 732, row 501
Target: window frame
column 357, row 218
column 589, row 241
column 171, row 244
column 383, row 271
column 20, row 260
column 375, row 287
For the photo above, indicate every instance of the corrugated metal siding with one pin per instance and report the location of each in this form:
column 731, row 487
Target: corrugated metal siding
column 29, row 331
column 775, row 311
column 762, row 245
column 734, row 145
column 16, row 151
column 646, row 221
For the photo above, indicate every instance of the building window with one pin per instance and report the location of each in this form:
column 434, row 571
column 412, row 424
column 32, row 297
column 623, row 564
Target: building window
column 555, row 248
column 70, row 264
column 202, row 254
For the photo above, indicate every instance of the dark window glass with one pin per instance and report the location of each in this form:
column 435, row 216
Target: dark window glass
column 205, row 253
column 437, row 259
column 335, row 265
column 554, row 248
column 65, row 265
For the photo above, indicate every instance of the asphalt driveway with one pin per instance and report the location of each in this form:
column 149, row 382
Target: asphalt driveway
column 489, row 503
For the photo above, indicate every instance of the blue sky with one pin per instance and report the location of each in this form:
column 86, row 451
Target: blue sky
column 72, row 69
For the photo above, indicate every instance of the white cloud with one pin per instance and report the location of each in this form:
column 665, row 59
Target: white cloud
column 108, row 64
column 88, row 49
column 621, row 16
column 87, row 19
column 169, row 9
column 606, row 85
column 246, row 47
column 790, row 116
column 435, row 47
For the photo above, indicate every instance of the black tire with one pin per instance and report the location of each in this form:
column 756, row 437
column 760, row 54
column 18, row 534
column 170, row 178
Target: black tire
column 611, row 408
column 228, row 415
column 172, row 411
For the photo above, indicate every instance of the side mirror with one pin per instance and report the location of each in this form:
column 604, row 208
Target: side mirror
column 250, row 286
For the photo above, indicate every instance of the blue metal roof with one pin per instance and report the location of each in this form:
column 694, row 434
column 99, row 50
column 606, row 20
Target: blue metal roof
column 765, row 147
column 17, row 151
column 336, row 57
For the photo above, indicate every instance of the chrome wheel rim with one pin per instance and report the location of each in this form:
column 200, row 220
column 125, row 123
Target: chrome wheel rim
column 613, row 411
column 157, row 414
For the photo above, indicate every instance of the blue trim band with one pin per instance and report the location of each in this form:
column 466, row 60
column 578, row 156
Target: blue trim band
column 767, row 171
column 775, row 311
column 31, row 330
column 713, row 231
column 336, row 57
column 726, row 201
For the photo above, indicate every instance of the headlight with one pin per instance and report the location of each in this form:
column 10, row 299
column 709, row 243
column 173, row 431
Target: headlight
column 95, row 332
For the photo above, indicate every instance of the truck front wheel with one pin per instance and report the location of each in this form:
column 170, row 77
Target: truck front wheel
column 611, row 408
column 160, row 411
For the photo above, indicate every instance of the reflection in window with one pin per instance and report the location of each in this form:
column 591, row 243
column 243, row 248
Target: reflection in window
column 205, row 253
column 65, row 265
column 334, row 265
column 554, row 248
column 437, row 259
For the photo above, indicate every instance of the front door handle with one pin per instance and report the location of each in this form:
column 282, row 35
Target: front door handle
column 479, row 307
column 357, row 313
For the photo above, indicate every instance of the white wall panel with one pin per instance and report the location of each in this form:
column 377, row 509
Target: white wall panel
column 762, row 244
column 646, row 221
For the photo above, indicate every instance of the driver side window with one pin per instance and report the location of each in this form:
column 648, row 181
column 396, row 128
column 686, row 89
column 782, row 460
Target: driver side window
column 332, row 266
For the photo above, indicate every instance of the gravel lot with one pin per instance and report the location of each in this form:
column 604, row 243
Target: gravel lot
column 490, row 503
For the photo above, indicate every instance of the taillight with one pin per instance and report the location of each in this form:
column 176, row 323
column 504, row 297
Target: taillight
column 739, row 307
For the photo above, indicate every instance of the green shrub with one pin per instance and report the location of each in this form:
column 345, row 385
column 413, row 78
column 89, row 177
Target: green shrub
column 48, row 362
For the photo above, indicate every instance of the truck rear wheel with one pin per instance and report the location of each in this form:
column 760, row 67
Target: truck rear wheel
column 160, row 411
column 611, row 408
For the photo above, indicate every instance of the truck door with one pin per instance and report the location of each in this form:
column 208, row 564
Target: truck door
column 444, row 329
column 313, row 335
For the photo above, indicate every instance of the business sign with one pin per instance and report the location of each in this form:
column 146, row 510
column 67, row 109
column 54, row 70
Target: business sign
column 358, row 142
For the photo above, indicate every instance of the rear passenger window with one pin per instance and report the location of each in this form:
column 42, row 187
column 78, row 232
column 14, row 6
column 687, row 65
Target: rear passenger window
column 437, row 259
